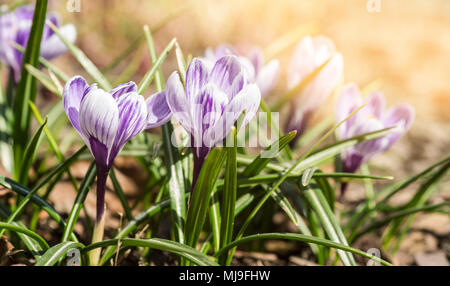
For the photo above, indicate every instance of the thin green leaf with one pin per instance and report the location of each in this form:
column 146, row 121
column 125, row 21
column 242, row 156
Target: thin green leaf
column 398, row 215
column 79, row 201
column 44, row 79
column 57, row 252
column 201, row 195
column 172, row 156
column 30, row 153
column 120, row 194
column 26, row 89
column 261, row 161
column 326, row 216
column 161, row 244
column 27, row 232
column 156, row 65
column 302, row 238
column 229, row 194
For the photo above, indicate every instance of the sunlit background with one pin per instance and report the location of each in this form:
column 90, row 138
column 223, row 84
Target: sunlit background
column 402, row 49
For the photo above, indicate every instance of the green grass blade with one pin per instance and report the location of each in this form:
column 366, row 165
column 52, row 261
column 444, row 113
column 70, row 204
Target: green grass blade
column 261, row 161
column 302, row 238
column 215, row 220
column 33, row 246
column 57, row 252
column 120, row 194
column 30, row 153
column 201, row 195
column 26, row 89
column 398, row 215
column 84, row 61
column 419, row 199
column 172, row 156
column 45, row 80
column 319, row 204
column 229, row 194
column 133, row 224
column 147, row 80
column 158, row 243
column 79, row 201
column 6, row 121
column 25, row 231
column 293, row 215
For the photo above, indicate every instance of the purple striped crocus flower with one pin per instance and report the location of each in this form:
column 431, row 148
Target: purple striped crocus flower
column 309, row 55
column 371, row 117
column 211, row 102
column 265, row 75
column 15, row 27
column 108, row 120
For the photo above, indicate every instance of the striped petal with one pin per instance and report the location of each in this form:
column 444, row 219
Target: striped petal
column 99, row 122
column 401, row 116
column 158, row 110
column 196, row 78
column 208, row 109
column 73, row 93
column 178, row 102
column 247, row 100
column 122, row 89
column 224, row 73
column 132, row 120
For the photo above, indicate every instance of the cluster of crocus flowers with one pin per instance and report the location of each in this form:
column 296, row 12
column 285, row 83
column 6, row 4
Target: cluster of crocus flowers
column 211, row 102
column 15, row 27
column 265, row 75
column 106, row 121
column 372, row 117
column 310, row 55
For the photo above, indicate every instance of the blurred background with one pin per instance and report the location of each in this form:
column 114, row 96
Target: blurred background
column 400, row 47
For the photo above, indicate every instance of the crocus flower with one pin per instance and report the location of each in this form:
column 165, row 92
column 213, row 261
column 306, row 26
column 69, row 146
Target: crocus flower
column 15, row 27
column 264, row 75
column 309, row 55
column 211, row 102
column 108, row 120
column 371, row 117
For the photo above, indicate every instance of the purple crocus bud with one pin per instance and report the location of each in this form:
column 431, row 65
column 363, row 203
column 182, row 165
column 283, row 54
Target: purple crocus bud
column 264, row 75
column 371, row 117
column 106, row 121
column 309, row 55
column 15, row 27
column 211, row 102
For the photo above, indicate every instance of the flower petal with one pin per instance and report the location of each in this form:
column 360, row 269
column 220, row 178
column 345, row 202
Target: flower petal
column 224, row 73
column 348, row 101
column 73, row 93
column 122, row 89
column 401, row 116
column 207, row 110
column 369, row 148
column 99, row 120
column 317, row 91
column 196, row 78
column 158, row 110
column 267, row 77
column 247, row 100
column 178, row 102
column 52, row 47
column 132, row 120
